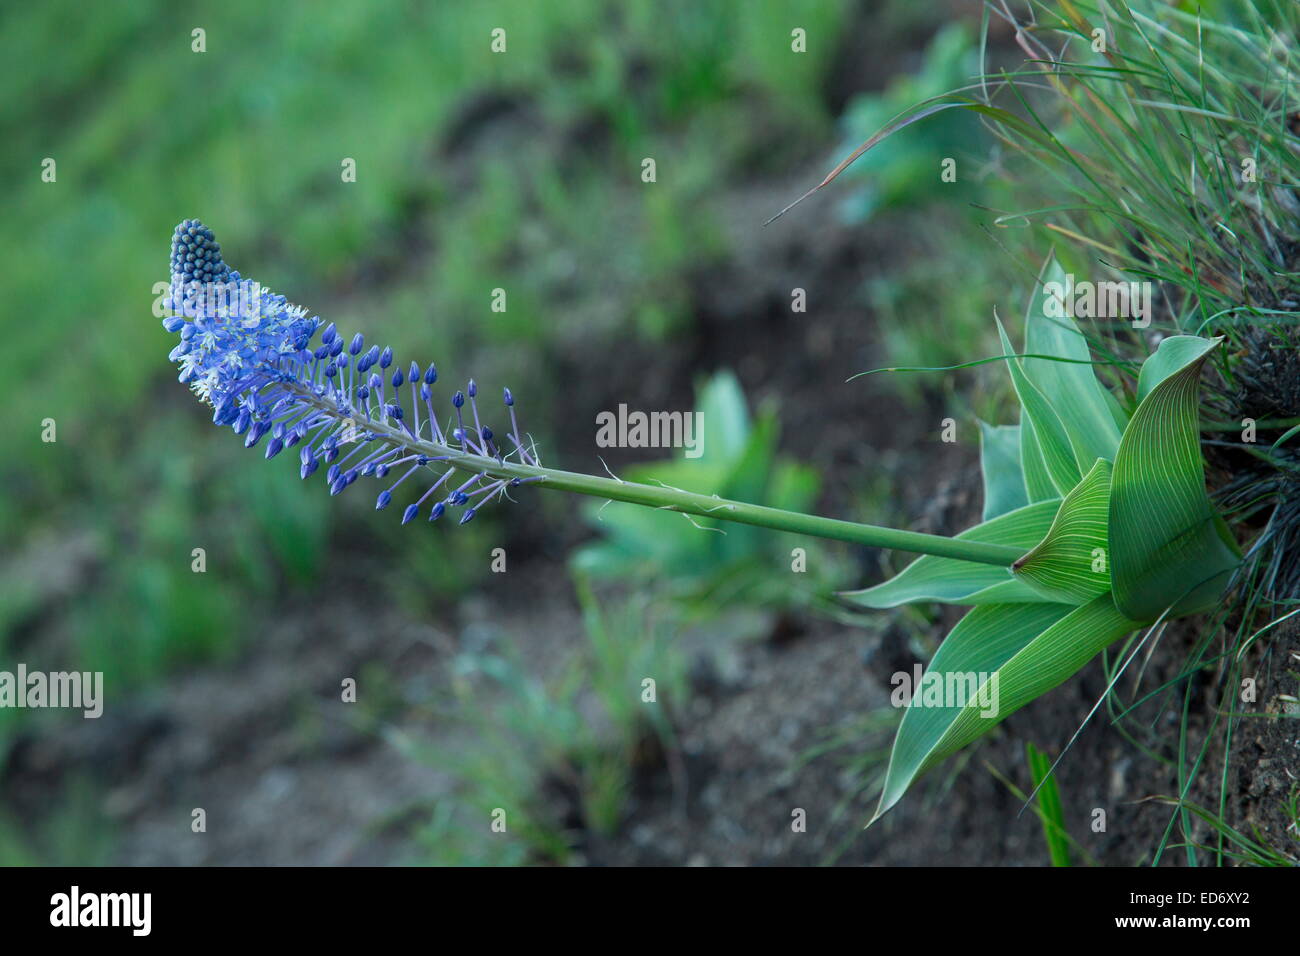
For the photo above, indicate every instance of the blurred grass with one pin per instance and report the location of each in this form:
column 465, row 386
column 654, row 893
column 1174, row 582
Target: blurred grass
column 72, row 832
column 446, row 207
column 557, row 754
column 706, row 565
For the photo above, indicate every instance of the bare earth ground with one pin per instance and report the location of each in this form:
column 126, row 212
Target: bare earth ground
column 318, row 789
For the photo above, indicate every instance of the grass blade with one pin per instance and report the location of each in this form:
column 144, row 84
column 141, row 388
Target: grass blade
column 1049, row 804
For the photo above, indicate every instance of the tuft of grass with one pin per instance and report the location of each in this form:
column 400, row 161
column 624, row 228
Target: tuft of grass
column 1060, row 844
column 1244, row 849
column 560, row 755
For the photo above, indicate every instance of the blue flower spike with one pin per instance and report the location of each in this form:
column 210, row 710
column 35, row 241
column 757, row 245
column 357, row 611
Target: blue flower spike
column 249, row 354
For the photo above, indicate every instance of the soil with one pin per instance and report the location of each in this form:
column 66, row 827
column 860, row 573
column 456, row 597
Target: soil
column 1266, row 770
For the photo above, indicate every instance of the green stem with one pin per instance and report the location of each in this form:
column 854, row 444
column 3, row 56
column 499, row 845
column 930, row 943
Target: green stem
column 685, row 502
column 708, row 506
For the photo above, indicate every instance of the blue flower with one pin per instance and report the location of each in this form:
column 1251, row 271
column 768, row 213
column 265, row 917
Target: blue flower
column 248, row 353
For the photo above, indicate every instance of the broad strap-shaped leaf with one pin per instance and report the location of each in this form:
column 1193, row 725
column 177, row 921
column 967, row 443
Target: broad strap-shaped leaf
column 951, row 581
column 1070, row 386
column 1168, row 548
column 1021, row 650
column 1004, row 481
column 1071, row 563
column 1038, row 483
column 1049, row 432
column 1172, row 356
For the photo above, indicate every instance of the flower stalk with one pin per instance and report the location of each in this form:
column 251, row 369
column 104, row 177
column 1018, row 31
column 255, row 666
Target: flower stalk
column 691, row 503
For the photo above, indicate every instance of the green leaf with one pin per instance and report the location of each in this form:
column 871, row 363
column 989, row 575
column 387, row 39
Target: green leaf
column 1072, row 388
column 1048, row 431
column 1173, row 355
column 737, row 461
column 1062, row 566
column 1117, row 411
column 1004, row 480
column 963, row 582
column 1023, row 651
column 1169, row 550
column 748, row 478
column 1049, row 805
column 1010, row 591
column 726, row 419
column 1038, row 484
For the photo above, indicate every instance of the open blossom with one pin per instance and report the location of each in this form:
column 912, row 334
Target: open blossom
column 248, row 353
